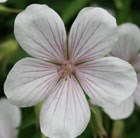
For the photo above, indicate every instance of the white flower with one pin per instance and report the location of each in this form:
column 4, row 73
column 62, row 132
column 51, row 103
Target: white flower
column 3, row 1
column 127, row 48
column 61, row 72
column 10, row 119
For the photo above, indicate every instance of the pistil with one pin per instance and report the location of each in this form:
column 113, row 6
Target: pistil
column 66, row 70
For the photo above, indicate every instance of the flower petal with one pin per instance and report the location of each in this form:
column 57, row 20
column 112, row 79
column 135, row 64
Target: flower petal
column 137, row 92
column 92, row 35
column 122, row 110
column 107, row 81
column 66, row 112
column 30, row 81
column 10, row 119
column 1, row 1
column 41, row 33
column 128, row 43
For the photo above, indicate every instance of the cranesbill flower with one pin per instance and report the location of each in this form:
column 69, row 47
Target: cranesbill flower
column 127, row 48
column 61, row 71
column 10, row 119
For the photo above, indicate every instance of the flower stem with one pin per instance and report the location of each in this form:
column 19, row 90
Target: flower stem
column 42, row 136
column 9, row 10
column 37, row 112
column 118, row 127
column 97, row 123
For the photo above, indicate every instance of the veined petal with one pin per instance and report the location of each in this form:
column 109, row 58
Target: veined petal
column 137, row 92
column 128, row 43
column 29, row 81
column 122, row 110
column 66, row 113
column 10, row 119
column 108, row 81
column 41, row 33
column 92, row 35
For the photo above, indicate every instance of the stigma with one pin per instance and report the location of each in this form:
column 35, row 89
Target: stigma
column 66, row 70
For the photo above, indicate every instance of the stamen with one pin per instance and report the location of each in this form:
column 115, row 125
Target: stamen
column 66, row 70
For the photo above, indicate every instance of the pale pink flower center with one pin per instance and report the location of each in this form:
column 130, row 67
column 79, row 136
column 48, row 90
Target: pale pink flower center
column 66, row 69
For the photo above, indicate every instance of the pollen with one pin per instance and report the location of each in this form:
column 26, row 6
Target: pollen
column 66, row 70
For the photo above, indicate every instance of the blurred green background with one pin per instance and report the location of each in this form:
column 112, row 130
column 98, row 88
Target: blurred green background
column 10, row 52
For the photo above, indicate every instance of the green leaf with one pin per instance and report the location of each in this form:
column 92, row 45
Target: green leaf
column 29, row 118
column 73, row 9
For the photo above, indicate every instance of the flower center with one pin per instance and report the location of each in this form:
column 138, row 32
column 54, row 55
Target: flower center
column 66, row 69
